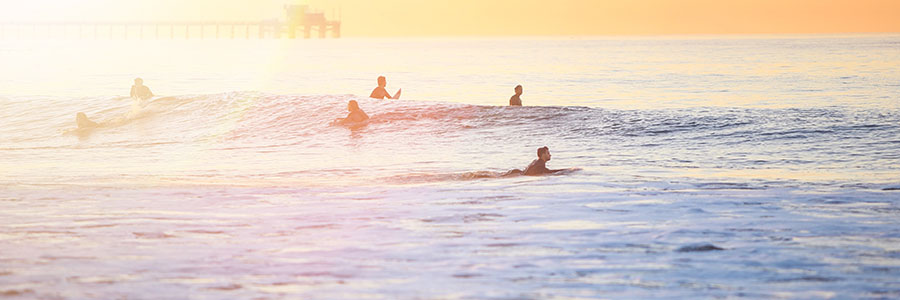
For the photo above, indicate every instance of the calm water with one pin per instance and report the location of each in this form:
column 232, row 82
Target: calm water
column 755, row 166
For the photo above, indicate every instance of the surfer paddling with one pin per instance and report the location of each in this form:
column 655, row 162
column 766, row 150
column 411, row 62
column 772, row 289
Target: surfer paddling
column 538, row 166
column 380, row 92
column 515, row 100
column 356, row 115
column 140, row 91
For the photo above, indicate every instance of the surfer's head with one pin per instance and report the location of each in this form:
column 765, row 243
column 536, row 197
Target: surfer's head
column 519, row 89
column 138, row 81
column 353, row 105
column 543, row 153
column 382, row 82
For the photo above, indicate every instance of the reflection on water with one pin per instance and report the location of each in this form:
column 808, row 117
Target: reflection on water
column 325, row 243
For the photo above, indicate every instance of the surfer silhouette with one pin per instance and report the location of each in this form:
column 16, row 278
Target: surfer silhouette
column 83, row 122
column 515, row 100
column 538, row 166
column 380, row 92
column 140, row 91
column 356, row 115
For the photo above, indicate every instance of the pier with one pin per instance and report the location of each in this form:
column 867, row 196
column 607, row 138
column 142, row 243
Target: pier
column 299, row 22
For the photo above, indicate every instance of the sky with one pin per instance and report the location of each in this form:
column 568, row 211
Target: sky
column 501, row 17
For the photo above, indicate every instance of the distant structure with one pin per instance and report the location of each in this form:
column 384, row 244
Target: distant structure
column 298, row 18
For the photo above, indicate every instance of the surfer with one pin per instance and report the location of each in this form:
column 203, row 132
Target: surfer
column 380, row 92
column 83, row 122
column 356, row 115
column 539, row 166
column 515, row 100
column 140, row 91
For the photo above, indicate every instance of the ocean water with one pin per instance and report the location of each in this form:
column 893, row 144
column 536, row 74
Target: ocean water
column 709, row 167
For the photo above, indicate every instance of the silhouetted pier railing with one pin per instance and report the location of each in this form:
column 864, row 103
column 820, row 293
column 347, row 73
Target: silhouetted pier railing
column 169, row 30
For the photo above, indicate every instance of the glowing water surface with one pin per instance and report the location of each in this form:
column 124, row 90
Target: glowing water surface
column 762, row 167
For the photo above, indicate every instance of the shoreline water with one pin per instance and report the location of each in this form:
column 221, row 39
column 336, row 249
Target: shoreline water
column 433, row 240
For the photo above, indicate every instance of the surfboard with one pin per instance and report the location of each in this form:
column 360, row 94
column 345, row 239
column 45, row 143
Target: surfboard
column 350, row 125
column 397, row 95
column 357, row 125
column 340, row 122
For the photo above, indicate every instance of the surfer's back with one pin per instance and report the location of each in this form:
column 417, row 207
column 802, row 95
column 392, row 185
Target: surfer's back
column 515, row 101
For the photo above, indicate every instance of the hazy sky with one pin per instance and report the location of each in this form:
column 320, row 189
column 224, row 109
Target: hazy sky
column 502, row 17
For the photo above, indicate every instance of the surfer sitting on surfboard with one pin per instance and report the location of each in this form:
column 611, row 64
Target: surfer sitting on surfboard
column 140, row 91
column 515, row 100
column 356, row 115
column 380, row 92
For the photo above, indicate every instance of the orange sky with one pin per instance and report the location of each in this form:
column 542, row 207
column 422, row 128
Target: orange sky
column 504, row 17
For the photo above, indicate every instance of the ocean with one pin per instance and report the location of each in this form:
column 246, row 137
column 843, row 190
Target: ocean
column 708, row 167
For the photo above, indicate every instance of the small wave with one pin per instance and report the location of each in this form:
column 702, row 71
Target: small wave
column 16, row 293
column 114, row 117
column 152, row 235
column 466, row 176
column 427, row 177
column 248, row 127
column 699, row 248
column 806, row 279
column 726, row 186
column 255, row 115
